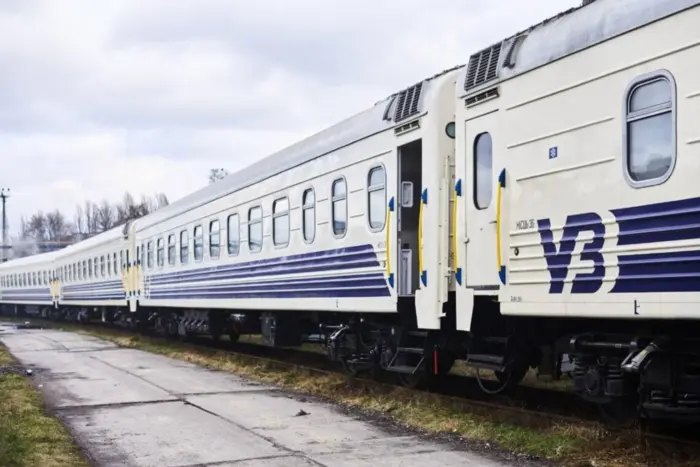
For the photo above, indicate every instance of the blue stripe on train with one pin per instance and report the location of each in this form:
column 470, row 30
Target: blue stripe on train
column 659, row 272
column 332, row 293
column 362, row 256
column 660, row 222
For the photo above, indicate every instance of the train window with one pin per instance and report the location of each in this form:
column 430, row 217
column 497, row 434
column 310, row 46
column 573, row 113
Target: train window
column 85, row 270
column 109, row 265
column 280, row 222
column 142, row 258
column 308, row 214
column 650, row 129
column 149, row 254
column 171, row 249
column 198, row 243
column 214, row 239
column 255, row 229
column 160, row 252
column 121, row 258
column 138, row 253
column 339, row 207
column 115, row 266
column 90, row 268
column 483, row 170
column 376, row 198
column 97, row 268
column 184, row 247
column 46, row 281
column 234, row 234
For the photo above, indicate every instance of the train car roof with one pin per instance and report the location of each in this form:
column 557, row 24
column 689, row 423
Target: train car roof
column 571, row 31
column 30, row 260
column 382, row 116
column 115, row 233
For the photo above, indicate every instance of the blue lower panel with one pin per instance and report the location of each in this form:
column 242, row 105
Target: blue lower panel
column 329, row 293
column 659, row 272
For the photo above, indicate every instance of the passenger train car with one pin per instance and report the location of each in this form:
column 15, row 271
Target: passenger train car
column 535, row 203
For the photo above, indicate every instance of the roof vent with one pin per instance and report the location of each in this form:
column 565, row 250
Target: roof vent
column 407, row 102
column 483, row 67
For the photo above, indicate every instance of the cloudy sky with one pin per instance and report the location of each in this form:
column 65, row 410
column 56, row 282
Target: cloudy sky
column 100, row 97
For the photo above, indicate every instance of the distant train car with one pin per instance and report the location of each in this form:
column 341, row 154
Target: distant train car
column 92, row 274
column 28, row 283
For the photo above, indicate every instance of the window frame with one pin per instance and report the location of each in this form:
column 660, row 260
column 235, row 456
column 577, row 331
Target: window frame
column 371, row 189
column 149, row 254
column 160, row 253
column 333, row 201
column 194, row 243
column 172, row 257
column 262, row 228
column 475, row 181
column 228, row 234
column 304, row 208
column 276, row 215
column 218, row 234
column 633, row 86
column 185, row 246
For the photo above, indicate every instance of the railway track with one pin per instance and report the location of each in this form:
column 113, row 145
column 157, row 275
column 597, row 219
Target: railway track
column 522, row 404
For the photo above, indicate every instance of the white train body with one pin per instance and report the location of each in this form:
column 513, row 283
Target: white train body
column 539, row 201
column 306, row 228
column 581, row 233
column 28, row 281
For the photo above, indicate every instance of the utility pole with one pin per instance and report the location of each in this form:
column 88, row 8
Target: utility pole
column 4, row 194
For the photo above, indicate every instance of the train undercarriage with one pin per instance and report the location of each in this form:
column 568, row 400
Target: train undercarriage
column 650, row 375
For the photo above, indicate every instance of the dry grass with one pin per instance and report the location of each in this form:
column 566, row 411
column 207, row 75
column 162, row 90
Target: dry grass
column 29, row 437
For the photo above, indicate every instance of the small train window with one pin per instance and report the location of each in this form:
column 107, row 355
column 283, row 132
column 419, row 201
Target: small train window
column 214, row 239
column 198, row 243
column 376, row 198
column 160, row 252
column 90, row 270
column 308, row 214
column 184, row 247
column 280, row 222
column 483, row 170
column 255, row 229
column 339, row 207
column 149, row 254
column 171, row 249
column 234, row 234
column 650, row 129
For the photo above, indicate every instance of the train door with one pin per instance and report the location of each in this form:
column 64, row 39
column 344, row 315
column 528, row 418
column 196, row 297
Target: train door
column 408, row 210
column 483, row 261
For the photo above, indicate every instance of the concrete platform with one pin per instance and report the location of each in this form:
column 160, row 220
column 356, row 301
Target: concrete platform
column 131, row 408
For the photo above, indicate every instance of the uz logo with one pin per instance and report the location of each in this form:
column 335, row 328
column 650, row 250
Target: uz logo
column 558, row 262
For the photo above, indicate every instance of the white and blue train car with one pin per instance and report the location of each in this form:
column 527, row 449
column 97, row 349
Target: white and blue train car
column 353, row 220
column 28, row 283
column 578, row 155
column 92, row 273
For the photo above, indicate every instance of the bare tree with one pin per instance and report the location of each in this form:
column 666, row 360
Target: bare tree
column 37, row 227
column 105, row 216
column 56, row 227
column 79, row 221
column 161, row 200
column 217, row 174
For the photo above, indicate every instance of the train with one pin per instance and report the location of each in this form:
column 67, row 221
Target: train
column 532, row 208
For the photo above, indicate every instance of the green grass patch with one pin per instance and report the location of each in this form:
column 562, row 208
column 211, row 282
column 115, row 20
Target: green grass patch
column 29, row 437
